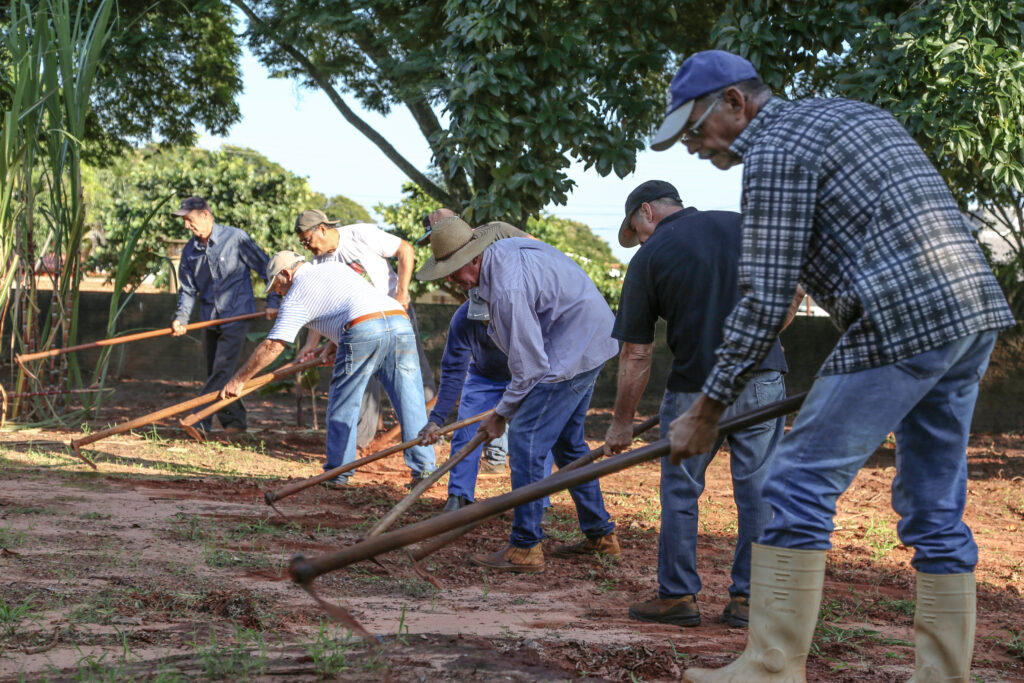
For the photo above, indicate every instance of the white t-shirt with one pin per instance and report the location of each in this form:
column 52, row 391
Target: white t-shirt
column 326, row 297
column 368, row 246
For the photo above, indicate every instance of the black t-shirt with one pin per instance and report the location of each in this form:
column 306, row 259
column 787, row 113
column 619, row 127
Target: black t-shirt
column 686, row 273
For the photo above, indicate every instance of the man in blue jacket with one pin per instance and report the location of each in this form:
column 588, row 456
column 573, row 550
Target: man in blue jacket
column 214, row 268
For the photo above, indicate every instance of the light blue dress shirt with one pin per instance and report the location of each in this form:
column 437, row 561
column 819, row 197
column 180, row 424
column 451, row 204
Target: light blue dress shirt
column 546, row 314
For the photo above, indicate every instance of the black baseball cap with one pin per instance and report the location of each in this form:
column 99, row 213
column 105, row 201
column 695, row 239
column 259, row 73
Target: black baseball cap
column 191, row 204
column 645, row 192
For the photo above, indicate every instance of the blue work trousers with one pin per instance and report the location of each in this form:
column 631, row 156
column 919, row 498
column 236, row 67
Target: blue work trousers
column 550, row 418
column 927, row 400
column 751, row 452
column 222, row 345
column 385, row 347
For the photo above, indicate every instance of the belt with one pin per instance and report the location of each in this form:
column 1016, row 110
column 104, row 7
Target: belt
column 373, row 316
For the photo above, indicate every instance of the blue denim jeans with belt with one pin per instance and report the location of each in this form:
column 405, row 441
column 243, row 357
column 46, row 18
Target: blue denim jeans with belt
column 751, row 452
column 385, row 347
column 550, row 418
column 927, row 401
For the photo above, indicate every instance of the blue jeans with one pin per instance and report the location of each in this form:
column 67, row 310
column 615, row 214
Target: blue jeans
column 479, row 394
column 752, row 450
column 385, row 347
column 928, row 401
column 550, row 418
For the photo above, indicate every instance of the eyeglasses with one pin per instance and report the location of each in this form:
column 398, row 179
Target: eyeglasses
column 692, row 133
column 307, row 237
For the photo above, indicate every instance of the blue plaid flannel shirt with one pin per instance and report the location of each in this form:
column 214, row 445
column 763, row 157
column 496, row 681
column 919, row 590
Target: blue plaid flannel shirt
column 838, row 197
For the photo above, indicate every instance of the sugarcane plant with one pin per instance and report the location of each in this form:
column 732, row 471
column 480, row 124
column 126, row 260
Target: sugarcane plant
column 52, row 57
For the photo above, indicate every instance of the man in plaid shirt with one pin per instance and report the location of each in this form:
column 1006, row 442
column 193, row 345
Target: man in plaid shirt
column 837, row 197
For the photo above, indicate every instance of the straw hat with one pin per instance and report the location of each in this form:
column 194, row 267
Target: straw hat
column 455, row 244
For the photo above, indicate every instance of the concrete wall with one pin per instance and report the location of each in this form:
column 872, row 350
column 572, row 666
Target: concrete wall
column 807, row 343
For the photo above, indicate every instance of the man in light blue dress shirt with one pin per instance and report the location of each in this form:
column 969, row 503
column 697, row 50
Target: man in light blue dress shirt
column 548, row 316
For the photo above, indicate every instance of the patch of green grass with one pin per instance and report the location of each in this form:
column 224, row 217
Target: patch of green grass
column 905, row 607
column 330, row 654
column 11, row 615
column 190, row 528
column 11, row 537
column 93, row 669
column 834, row 634
column 262, row 527
column 223, row 558
column 100, row 608
column 1014, row 644
column 650, row 512
column 880, row 536
column 95, row 515
column 31, row 510
column 234, row 661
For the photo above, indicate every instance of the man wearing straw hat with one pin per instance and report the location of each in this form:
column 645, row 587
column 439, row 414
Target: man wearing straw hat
column 214, row 269
column 555, row 327
column 370, row 335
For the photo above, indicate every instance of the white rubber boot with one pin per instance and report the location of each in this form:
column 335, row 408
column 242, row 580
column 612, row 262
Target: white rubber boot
column 944, row 628
column 785, row 593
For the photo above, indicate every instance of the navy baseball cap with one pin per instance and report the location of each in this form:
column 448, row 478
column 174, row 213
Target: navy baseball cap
column 700, row 74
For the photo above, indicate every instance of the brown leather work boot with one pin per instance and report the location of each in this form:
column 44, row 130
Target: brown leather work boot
column 602, row 545
column 679, row 611
column 513, row 559
column 737, row 612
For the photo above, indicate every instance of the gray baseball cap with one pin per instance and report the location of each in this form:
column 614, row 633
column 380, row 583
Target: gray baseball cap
column 281, row 260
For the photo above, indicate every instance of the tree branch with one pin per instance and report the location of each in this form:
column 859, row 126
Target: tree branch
column 431, row 188
column 428, row 124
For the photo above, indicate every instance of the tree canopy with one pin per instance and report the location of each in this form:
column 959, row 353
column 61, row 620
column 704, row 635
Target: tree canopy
column 523, row 88
column 576, row 240
column 167, row 70
column 952, row 72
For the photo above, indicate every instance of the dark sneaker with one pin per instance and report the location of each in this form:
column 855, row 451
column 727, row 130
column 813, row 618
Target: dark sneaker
column 678, row 611
column 603, row 545
column 513, row 559
column 737, row 612
column 338, row 482
column 456, row 503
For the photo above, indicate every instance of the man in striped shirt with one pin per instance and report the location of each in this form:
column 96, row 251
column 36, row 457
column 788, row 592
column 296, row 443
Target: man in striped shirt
column 367, row 250
column 838, row 197
column 370, row 334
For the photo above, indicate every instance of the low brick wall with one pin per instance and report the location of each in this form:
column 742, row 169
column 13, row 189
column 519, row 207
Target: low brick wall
column 807, row 342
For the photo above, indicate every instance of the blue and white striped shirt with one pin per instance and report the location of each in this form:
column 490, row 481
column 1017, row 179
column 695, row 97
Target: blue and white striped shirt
column 838, row 197
column 326, row 297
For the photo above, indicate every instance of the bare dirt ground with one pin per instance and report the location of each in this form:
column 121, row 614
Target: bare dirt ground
column 166, row 565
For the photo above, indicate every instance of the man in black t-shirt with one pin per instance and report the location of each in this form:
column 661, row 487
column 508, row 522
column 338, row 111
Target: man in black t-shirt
column 686, row 273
